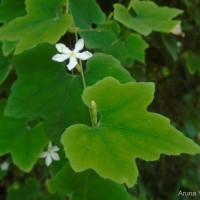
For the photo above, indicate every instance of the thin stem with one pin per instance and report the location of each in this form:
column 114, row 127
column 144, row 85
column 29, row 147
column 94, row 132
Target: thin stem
column 85, row 86
column 66, row 6
column 110, row 16
column 130, row 4
column 78, row 30
column 84, row 83
column 82, row 74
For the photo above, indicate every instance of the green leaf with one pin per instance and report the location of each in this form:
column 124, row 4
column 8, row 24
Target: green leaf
column 56, row 95
column 192, row 62
column 133, row 47
column 90, row 12
column 21, row 141
column 66, row 181
column 149, row 17
column 125, row 131
column 92, row 15
column 38, row 25
column 30, row 190
column 10, row 9
column 5, row 67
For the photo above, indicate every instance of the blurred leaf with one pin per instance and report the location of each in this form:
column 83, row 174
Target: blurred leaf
column 66, row 181
column 10, row 9
column 197, row 17
column 149, row 17
column 192, row 62
column 23, row 143
column 125, row 131
column 172, row 45
column 190, row 128
column 30, row 190
column 43, row 18
column 54, row 94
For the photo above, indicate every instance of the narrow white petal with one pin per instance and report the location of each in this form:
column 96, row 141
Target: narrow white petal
column 55, row 156
column 79, row 45
column 72, row 63
column 60, row 57
column 44, row 154
column 62, row 48
column 84, row 55
column 48, row 160
column 55, row 148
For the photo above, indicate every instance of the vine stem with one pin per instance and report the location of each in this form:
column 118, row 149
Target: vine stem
column 130, row 4
column 84, row 82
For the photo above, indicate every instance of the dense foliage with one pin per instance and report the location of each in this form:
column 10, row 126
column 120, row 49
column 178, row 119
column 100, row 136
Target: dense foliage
column 80, row 124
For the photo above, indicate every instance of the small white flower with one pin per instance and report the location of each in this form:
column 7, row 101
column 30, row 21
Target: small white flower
column 73, row 55
column 4, row 166
column 50, row 154
column 177, row 30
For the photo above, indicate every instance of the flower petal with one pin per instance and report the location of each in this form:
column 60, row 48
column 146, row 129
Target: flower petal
column 48, row 160
column 4, row 166
column 84, row 55
column 55, row 148
column 79, row 45
column 44, row 154
column 72, row 63
column 62, row 48
column 55, row 156
column 60, row 57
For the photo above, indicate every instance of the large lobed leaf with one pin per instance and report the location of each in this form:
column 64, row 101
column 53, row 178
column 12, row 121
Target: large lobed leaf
column 125, row 131
column 86, row 185
column 20, row 140
column 44, row 22
column 149, row 17
column 44, row 88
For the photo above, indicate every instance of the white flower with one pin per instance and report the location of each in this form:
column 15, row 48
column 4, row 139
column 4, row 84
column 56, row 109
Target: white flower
column 73, row 55
column 4, row 166
column 50, row 154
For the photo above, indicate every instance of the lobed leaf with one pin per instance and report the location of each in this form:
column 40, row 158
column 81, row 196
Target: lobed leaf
column 149, row 17
column 44, row 88
column 20, row 140
column 125, row 131
column 42, row 19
